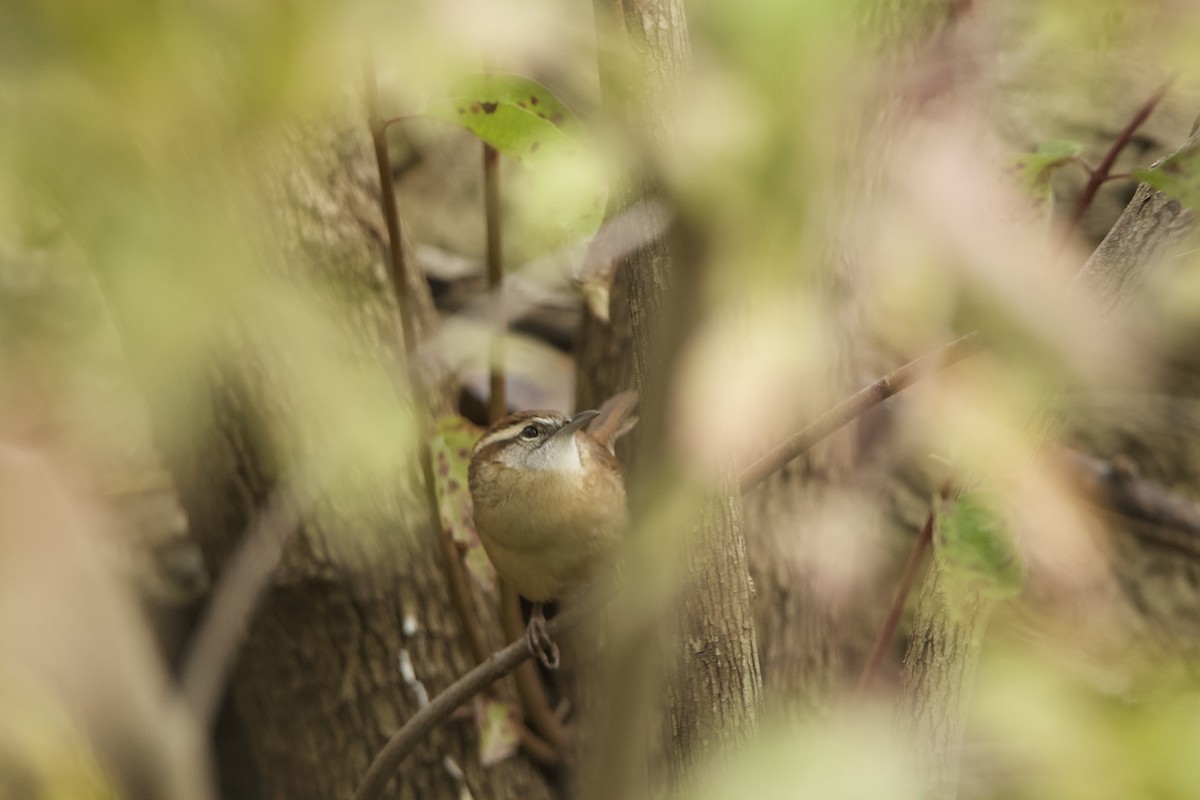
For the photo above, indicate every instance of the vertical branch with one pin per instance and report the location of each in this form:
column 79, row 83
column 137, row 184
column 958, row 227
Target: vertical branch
column 534, row 702
column 391, row 216
column 497, row 399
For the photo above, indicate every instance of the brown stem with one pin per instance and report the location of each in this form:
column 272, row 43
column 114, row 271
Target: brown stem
column 888, row 632
column 422, row 723
column 391, row 213
column 857, row 404
column 497, row 401
column 1101, row 173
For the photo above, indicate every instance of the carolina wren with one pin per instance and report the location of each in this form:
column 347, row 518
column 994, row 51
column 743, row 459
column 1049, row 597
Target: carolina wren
column 549, row 503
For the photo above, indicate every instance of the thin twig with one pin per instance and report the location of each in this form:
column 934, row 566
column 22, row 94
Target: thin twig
column 907, row 578
column 857, row 404
column 391, row 213
column 460, row 594
column 237, row 593
column 421, row 724
column 1101, row 173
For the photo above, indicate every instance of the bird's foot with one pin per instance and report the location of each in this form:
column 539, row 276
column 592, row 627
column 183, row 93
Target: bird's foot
column 539, row 641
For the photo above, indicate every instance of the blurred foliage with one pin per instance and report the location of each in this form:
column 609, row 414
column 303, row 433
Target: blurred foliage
column 42, row 756
column 1037, row 169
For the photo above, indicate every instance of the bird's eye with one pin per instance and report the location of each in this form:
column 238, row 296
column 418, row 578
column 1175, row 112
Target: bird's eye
column 529, row 432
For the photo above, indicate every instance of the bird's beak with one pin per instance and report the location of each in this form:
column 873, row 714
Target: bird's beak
column 577, row 422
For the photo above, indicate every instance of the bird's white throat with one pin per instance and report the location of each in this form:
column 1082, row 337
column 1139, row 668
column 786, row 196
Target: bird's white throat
column 559, row 454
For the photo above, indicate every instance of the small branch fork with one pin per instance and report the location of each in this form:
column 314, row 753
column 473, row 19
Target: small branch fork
column 1102, row 172
column 391, row 214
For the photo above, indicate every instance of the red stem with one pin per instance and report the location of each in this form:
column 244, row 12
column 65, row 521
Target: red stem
column 888, row 631
column 1101, row 173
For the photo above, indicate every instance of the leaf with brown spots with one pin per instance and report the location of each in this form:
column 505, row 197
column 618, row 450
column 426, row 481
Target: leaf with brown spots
column 450, row 449
column 525, row 121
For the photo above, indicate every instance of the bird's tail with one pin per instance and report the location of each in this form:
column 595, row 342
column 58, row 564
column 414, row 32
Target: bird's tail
column 615, row 418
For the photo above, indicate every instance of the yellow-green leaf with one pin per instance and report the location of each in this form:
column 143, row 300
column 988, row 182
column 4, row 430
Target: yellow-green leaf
column 450, row 449
column 499, row 731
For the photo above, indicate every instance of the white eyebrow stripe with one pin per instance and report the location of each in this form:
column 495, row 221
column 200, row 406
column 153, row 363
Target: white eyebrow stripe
column 509, row 431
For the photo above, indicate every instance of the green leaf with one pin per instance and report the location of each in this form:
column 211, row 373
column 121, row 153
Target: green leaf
column 515, row 115
column 499, row 731
column 974, row 546
column 450, row 450
column 1038, row 167
column 1177, row 176
column 525, row 121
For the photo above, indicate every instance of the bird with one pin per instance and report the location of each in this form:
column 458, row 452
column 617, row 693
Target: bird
column 549, row 503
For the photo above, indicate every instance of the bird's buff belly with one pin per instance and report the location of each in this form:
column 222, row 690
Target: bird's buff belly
column 554, row 569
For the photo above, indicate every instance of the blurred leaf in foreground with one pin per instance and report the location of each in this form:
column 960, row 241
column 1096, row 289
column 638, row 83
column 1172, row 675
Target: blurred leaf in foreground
column 1037, row 168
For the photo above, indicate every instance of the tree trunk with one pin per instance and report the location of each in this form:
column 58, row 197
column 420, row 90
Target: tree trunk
column 714, row 691
column 939, row 672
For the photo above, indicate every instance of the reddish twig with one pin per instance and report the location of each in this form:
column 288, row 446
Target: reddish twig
column 1101, row 173
column 888, row 632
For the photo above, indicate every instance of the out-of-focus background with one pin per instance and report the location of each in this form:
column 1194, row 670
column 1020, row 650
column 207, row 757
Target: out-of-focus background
column 198, row 317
